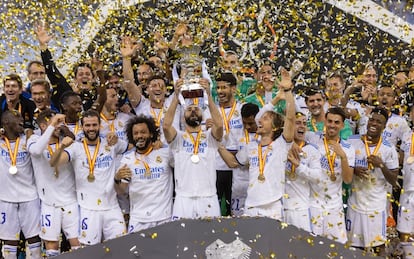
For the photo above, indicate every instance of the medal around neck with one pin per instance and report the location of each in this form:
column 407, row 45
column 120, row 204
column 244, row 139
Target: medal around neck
column 195, row 159
column 261, row 178
column 91, row 178
column 333, row 177
column 13, row 170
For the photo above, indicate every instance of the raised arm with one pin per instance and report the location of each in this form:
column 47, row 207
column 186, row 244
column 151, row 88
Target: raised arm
column 57, row 80
column 40, row 145
column 129, row 47
column 169, row 131
column 60, row 157
column 217, row 127
column 286, row 86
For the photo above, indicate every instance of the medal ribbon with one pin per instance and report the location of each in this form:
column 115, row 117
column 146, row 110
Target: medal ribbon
column 227, row 119
column 92, row 161
column 195, row 142
column 412, row 145
column 293, row 167
column 146, row 165
column 331, row 159
column 13, row 155
column 49, row 148
column 260, row 99
column 156, row 117
column 262, row 158
column 247, row 136
column 370, row 166
column 112, row 125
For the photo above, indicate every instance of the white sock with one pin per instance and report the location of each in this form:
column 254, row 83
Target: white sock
column 408, row 248
column 34, row 249
column 51, row 252
column 75, row 247
column 9, row 252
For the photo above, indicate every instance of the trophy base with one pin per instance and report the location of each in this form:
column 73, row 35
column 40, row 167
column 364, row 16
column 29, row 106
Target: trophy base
column 196, row 93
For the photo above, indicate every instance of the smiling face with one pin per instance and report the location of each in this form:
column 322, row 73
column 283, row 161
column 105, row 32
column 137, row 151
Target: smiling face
column 300, row 128
column 40, row 96
column 376, row 124
column 12, row 90
column 142, row 136
column 111, row 100
column 315, row 104
column 90, row 126
column 225, row 93
column 334, row 124
column 156, row 91
column 386, row 97
column 265, row 124
column 84, row 77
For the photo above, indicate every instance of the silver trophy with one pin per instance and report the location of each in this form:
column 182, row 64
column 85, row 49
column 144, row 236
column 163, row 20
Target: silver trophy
column 191, row 72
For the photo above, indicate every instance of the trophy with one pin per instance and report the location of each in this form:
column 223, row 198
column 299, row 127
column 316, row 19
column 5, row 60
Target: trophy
column 191, row 72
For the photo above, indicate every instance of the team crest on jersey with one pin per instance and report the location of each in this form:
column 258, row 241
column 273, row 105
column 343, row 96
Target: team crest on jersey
column 304, row 154
column 203, row 136
column 236, row 113
column 358, row 152
column 24, row 146
column 158, row 159
column 136, row 161
column 120, row 124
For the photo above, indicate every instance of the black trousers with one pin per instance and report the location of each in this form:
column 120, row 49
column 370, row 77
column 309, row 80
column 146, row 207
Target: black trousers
column 223, row 184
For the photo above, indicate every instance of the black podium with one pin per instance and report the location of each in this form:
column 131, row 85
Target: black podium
column 219, row 238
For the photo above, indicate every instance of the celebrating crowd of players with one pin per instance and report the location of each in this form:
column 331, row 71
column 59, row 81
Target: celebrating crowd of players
column 114, row 152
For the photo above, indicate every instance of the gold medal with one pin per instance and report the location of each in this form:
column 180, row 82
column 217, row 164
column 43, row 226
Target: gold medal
column 195, row 159
column 333, row 177
column 293, row 176
column 91, row 178
column 410, row 160
column 13, row 170
column 261, row 178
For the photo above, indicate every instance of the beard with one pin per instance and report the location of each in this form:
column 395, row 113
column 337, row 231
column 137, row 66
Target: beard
column 139, row 146
column 89, row 138
column 193, row 120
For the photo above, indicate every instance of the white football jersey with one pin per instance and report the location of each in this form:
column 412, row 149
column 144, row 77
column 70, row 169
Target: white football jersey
column 55, row 186
column 99, row 194
column 150, row 192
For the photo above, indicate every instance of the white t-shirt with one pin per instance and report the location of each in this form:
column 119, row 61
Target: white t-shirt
column 194, row 179
column 118, row 124
column 150, row 195
column 230, row 140
column 395, row 129
column 144, row 108
column 298, row 190
column 325, row 193
column 408, row 168
column 53, row 191
column 273, row 187
column 371, row 195
column 21, row 186
column 99, row 194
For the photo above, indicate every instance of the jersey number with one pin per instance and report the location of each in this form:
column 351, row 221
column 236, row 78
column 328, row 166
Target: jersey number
column 46, row 220
column 3, row 217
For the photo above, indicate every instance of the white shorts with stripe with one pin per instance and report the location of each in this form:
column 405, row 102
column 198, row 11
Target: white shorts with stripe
column 366, row 230
column 97, row 226
column 19, row 216
column 196, row 207
column 54, row 219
